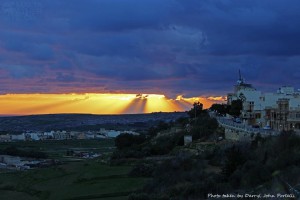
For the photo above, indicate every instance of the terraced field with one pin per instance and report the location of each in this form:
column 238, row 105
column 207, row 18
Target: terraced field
column 83, row 179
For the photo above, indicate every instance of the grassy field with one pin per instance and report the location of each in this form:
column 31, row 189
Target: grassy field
column 76, row 180
column 86, row 179
column 57, row 148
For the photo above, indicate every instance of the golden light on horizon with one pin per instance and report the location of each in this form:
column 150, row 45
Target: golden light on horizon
column 94, row 103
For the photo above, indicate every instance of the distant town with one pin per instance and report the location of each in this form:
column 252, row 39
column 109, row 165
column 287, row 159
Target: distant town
column 78, row 126
column 63, row 135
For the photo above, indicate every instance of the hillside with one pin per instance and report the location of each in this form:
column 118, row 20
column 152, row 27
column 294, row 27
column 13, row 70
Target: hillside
column 81, row 121
column 207, row 166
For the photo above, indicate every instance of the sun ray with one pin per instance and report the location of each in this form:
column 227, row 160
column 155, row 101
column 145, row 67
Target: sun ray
column 136, row 105
column 96, row 103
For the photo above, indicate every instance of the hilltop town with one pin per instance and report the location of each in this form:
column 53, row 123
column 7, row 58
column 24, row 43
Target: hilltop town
column 250, row 112
column 279, row 110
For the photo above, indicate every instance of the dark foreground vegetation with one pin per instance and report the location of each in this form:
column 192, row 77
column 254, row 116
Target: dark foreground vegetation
column 247, row 168
column 262, row 166
column 80, row 180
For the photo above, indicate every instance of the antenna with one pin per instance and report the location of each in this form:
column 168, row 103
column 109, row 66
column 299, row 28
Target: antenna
column 241, row 80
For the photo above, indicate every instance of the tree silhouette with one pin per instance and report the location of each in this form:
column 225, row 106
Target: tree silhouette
column 236, row 107
column 196, row 110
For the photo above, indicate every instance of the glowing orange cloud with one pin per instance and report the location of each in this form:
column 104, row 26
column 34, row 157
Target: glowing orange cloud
column 94, row 103
column 220, row 98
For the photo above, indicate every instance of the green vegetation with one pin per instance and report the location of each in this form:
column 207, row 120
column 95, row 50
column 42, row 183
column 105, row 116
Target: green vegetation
column 128, row 140
column 196, row 110
column 161, row 144
column 57, row 149
column 236, row 107
column 163, row 138
column 203, row 126
column 13, row 151
column 266, row 165
column 221, row 109
column 74, row 178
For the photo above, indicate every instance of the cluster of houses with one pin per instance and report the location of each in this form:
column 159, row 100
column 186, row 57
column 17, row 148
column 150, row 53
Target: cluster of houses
column 279, row 110
column 63, row 135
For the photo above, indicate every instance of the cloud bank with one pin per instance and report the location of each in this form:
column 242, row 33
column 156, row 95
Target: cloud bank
column 172, row 47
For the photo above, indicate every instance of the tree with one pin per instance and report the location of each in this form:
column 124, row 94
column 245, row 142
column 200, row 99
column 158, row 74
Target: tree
column 182, row 121
column 127, row 140
column 203, row 126
column 220, row 108
column 161, row 126
column 236, row 107
column 196, row 110
column 14, row 151
column 234, row 158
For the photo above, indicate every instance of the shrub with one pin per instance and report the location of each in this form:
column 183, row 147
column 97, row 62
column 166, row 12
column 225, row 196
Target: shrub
column 128, row 140
column 235, row 157
column 139, row 196
column 143, row 170
column 13, row 151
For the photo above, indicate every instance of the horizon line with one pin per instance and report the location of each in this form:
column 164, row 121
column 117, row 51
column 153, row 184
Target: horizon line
column 21, row 115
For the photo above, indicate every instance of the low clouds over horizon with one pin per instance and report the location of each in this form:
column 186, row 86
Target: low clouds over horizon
column 172, row 47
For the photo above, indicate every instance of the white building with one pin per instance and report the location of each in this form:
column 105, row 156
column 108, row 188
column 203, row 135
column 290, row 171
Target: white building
column 10, row 160
column 130, row 132
column 33, row 136
column 280, row 110
column 5, row 138
column 61, row 135
column 89, row 135
column 112, row 133
column 18, row 137
column 49, row 135
column 109, row 133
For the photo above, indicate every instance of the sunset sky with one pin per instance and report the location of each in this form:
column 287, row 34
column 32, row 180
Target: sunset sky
column 97, row 56
column 28, row 104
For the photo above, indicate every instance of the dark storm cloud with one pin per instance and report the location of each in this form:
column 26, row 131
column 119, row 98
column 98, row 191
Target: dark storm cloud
column 119, row 15
column 186, row 47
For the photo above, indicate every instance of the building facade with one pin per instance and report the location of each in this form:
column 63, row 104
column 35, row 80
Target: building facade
column 279, row 110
